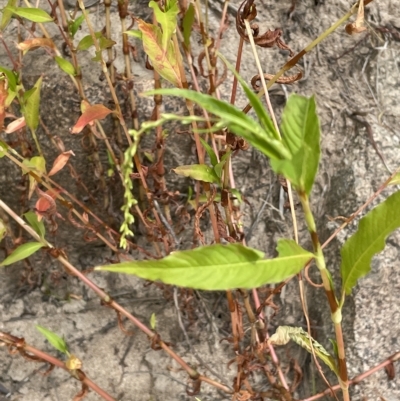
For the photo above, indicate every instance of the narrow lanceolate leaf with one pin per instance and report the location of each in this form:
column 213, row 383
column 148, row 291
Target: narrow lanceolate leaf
column 286, row 333
column 60, row 162
column 56, row 341
column 235, row 120
column 255, row 102
column 65, row 65
column 369, row 239
column 22, row 252
column 167, row 20
column 37, row 225
column 219, row 267
column 210, row 152
column 7, row 14
column 199, row 172
column 301, row 135
column 187, row 24
column 31, row 109
column 31, row 14
column 164, row 61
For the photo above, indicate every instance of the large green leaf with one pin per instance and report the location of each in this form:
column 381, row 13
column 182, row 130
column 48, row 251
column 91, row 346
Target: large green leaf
column 56, row 341
column 31, row 14
column 369, row 239
column 219, row 267
column 167, row 20
column 22, row 252
column 31, row 109
column 301, row 135
column 237, row 121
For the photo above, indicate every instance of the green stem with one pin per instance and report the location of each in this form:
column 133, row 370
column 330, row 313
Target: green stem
column 336, row 311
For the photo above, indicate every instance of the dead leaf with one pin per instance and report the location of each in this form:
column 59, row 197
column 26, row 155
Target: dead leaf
column 358, row 25
column 60, row 162
column 43, row 204
column 89, row 115
column 34, row 43
column 15, row 125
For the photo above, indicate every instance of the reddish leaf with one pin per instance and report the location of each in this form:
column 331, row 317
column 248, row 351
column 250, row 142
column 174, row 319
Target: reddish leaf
column 60, row 162
column 15, row 125
column 34, row 43
column 43, row 204
column 91, row 113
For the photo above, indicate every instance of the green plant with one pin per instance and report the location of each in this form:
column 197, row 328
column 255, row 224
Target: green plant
column 224, row 263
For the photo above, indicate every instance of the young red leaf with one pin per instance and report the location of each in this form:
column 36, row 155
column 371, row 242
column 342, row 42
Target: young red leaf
column 91, row 113
column 15, row 125
column 60, row 162
column 34, row 43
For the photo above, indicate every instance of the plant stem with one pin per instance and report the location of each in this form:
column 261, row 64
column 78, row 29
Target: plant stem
column 336, row 312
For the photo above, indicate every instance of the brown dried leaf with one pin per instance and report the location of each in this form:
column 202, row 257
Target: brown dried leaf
column 90, row 113
column 358, row 25
column 34, row 43
column 60, row 162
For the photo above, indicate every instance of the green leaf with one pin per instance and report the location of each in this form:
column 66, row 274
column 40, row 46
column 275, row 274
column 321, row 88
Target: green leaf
column 134, row 32
column 164, row 60
column 286, row 333
column 3, row 229
column 11, row 78
column 218, row 168
column 73, row 26
column 36, row 164
column 255, row 102
column 199, row 172
column 31, row 109
column 3, row 149
column 369, row 239
column 219, row 267
column 22, row 252
column 153, row 321
column 65, row 65
column 37, row 225
column 301, row 135
column 57, row 342
column 236, row 194
column 210, row 152
column 167, row 20
column 235, row 120
column 187, row 24
column 87, row 41
column 31, row 14
column 395, row 180
column 7, row 14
